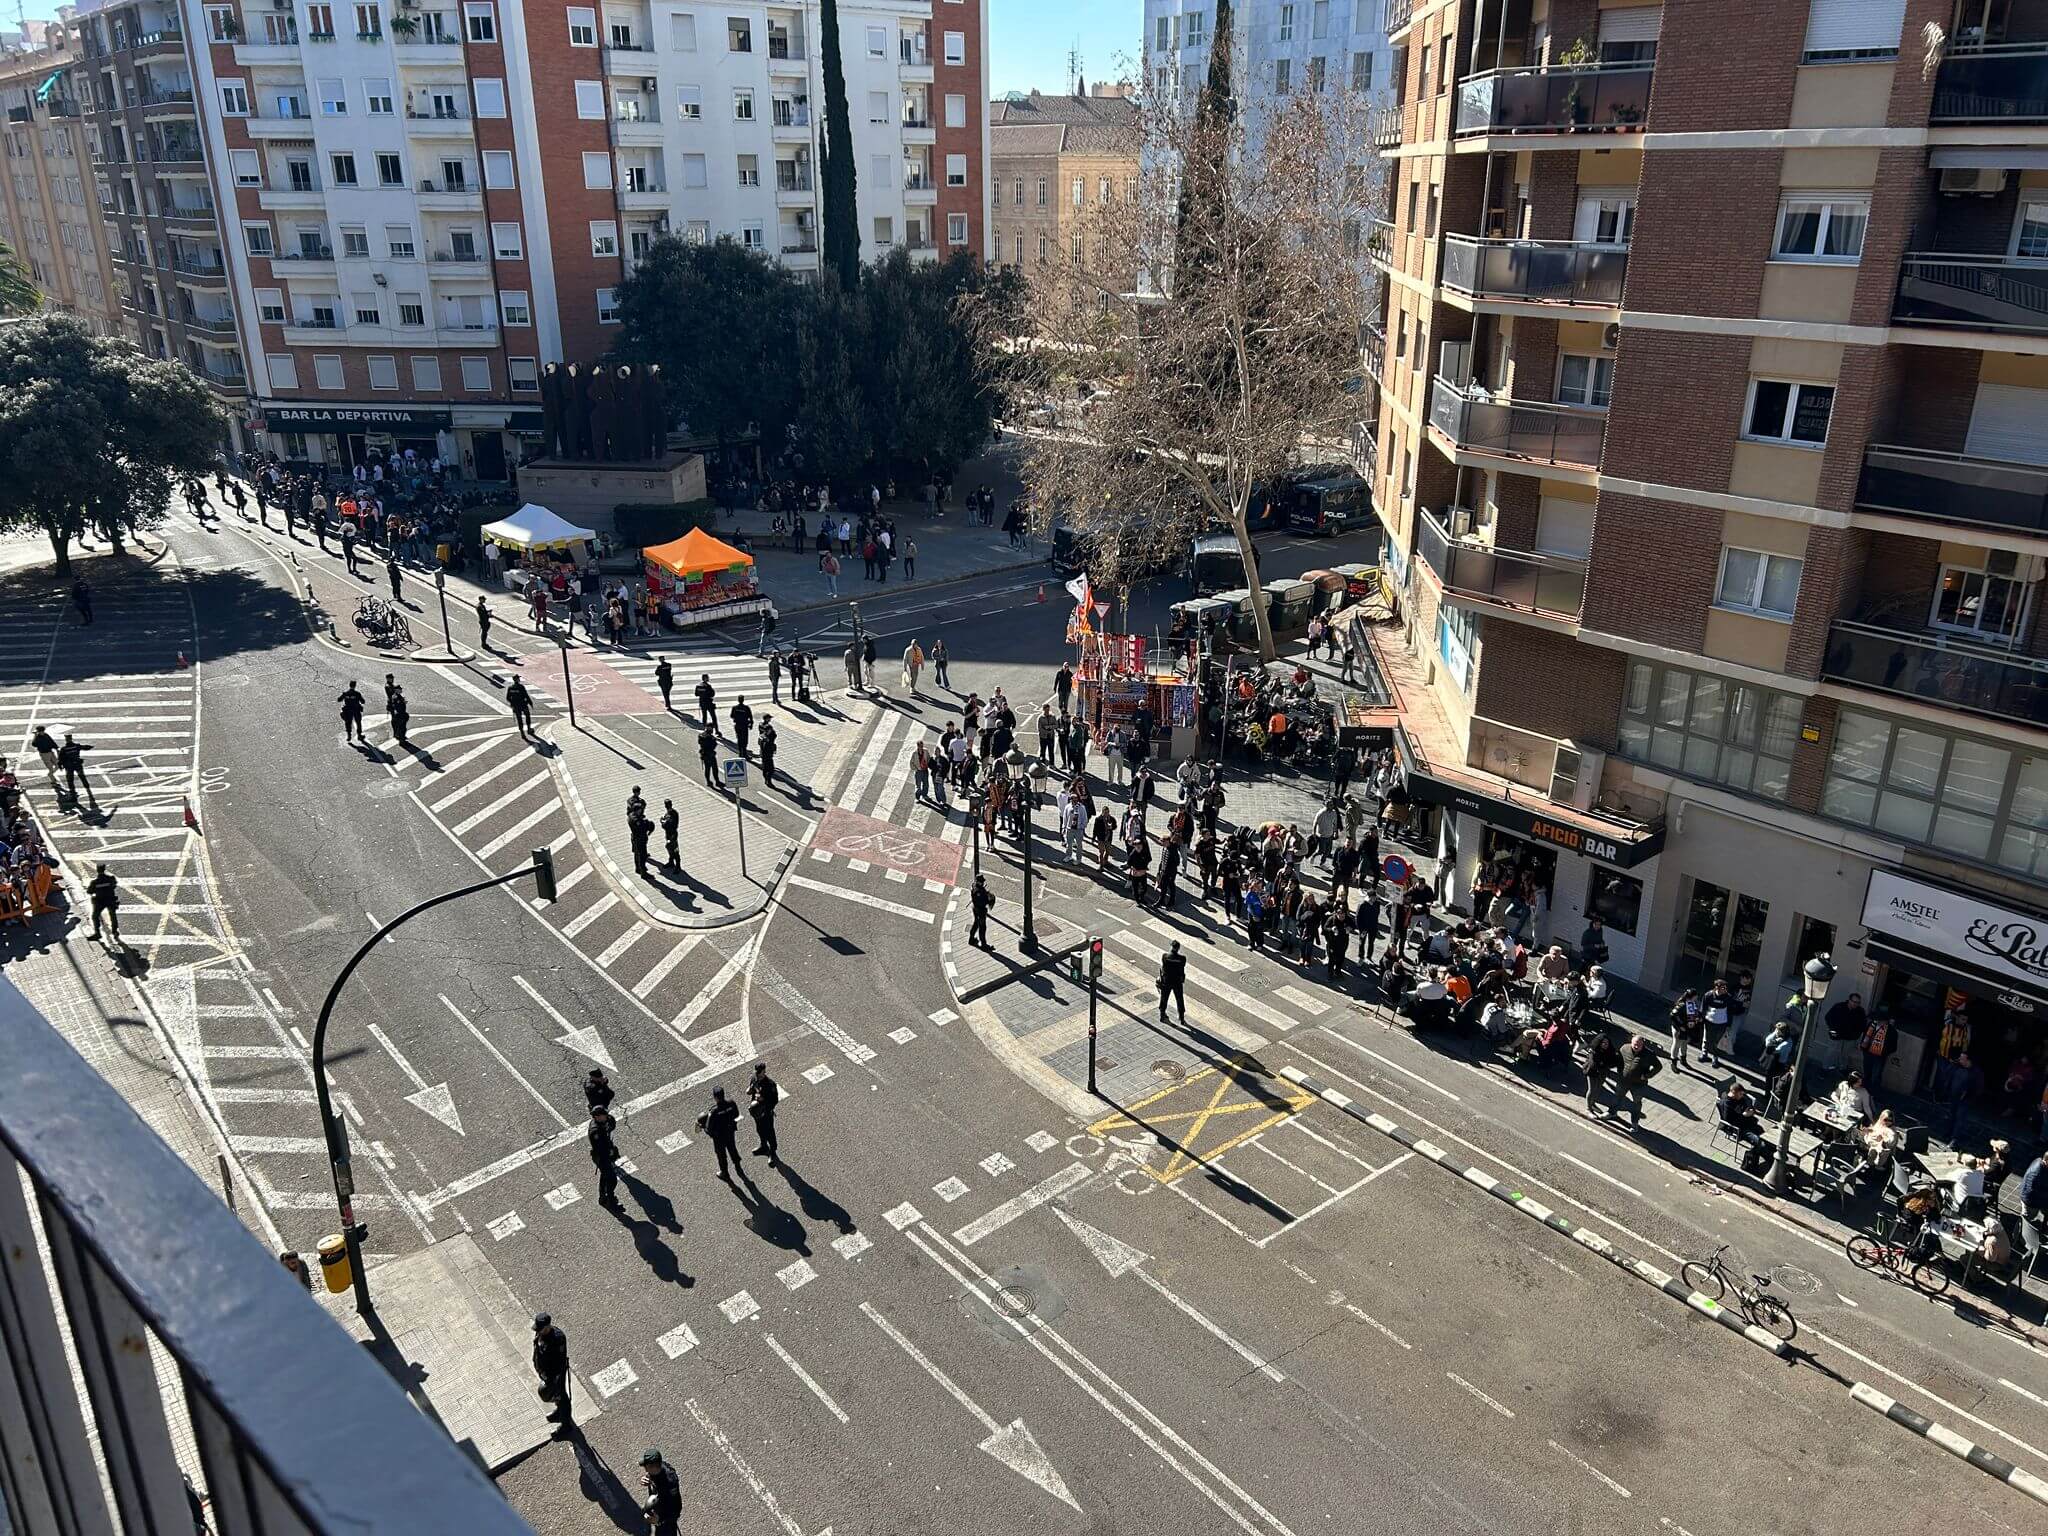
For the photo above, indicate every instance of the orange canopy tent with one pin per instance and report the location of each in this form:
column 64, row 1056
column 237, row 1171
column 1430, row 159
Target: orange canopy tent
column 697, row 554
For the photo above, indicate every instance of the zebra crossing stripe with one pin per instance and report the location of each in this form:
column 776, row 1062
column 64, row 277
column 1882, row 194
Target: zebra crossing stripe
column 870, row 760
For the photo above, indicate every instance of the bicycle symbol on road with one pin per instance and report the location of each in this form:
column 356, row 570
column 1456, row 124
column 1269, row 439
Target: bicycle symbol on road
column 1121, row 1159
column 899, row 850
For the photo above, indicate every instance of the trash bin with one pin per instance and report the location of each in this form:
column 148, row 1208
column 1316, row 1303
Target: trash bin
column 1200, row 617
column 1329, row 591
column 1359, row 581
column 334, row 1266
column 1289, row 605
column 1242, row 627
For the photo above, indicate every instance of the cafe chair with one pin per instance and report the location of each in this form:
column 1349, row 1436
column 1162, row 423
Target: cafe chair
column 1835, row 1174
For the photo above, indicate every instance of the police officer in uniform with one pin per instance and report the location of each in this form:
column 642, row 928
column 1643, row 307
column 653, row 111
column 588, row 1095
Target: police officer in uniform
column 604, row 1156
column 665, row 679
column 767, row 749
column 982, row 899
column 721, row 1123
column 762, row 1097
column 707, row 754
column 663, row 1506
column 1173, row 981
column 597, row 1090
column 671, row 826
column 106, row 902
column 551, row 1365
column 641, row 830
column 351, row 702
column 521, row 703
column 742, row 723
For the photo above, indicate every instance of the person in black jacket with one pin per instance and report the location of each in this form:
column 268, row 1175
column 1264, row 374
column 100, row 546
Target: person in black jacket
column 106, row 902
column 1173, row 981
column 762, row 1097
column 604, row 1156
column 982, row 900
column 663, row 1506
column 721, row 1124
column 597, row 1090
column 551, row 1365
column 707, row 754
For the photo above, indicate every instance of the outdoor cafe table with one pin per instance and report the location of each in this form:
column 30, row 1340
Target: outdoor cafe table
column 1959, row 1236
column 1938, row 1166
column 1822, row 1112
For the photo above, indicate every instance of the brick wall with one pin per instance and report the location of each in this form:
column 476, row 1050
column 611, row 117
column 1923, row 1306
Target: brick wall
column 1726, row 66
column 1901, row 211
column 1553, row 196
column 1899, row 576
column 1828, row 589
column 1862, row 401
column 1937, row 393
column 1677, row 407
column 1912, row 87
column 1653, row 570
column 1810, row 758
column 1532, row 347
column 967, row 17
column 1704, row 220
column 564, row 139
column 1517, row 503
column 1549, row 683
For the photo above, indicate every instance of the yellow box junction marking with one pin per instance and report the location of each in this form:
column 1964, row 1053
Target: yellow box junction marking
column 1184, row 1129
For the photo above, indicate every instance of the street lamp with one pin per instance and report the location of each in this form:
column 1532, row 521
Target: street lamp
column 1818, row 976
column 441, row 591
column 1027, row 941
column 976, row 799
column 568, row 682
column 542, row 868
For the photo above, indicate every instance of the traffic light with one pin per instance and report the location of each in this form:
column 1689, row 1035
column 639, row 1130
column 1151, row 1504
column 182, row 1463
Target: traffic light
column 1095, row 959
column 544, row 873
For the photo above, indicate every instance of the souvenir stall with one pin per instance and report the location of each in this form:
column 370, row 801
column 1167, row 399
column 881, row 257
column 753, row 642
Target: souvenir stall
column 1123, row 681
column 538, row 545
column 700, row 579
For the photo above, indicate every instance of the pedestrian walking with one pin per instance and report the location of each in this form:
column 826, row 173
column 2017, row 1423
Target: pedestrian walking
column 940, row 660
column 983, row 901
column 910, row 559
column 71, row 758
column 537, row 596
column 665, row 680
column 348, row 548
column 707, row 754
column 767, row 751
column 707, row 703
column 597, row 1090
column 762, row 1097
column 662, row 1509
column 46, row 748
column 551, row 1365
column 742, row 723
column 775, row 677
column 1639, row 1063
column 913, row 667
column 641, row 830
column 397, row 577
column 828, row 563
column 81, row 595
column 521, row 704
column 1602, row 1060
column 105, row 892
column 721, row 1124
column 351, row 701
column 1173, row 981
column 604, row 1156
column 483, row 624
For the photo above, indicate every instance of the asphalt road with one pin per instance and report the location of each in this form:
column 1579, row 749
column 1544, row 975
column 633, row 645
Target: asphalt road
column 956, row 1306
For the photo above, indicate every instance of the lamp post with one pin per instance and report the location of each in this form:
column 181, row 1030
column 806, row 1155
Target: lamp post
column 568, row 682
column 441, row 591
column 1818, row 976
column 332, row 1127
column 975, row 801
column 1027, row 941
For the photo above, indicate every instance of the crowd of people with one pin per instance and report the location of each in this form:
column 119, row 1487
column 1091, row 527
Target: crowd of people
column 400, row 504
column 26, row 867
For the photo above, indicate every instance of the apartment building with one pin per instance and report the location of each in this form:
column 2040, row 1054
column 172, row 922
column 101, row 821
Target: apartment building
column 1282, row 46
column 1054, row 157
column 49, row 210
column 1713, row 458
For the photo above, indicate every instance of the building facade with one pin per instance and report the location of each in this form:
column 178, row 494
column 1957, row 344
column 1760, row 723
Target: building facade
column 1053, row 158
column 1282, row 46
column 1712, row 455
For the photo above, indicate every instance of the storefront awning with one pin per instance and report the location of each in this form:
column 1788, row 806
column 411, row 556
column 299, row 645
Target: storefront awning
column 1620, row 843
column 1960, row 937
column 1952, row 973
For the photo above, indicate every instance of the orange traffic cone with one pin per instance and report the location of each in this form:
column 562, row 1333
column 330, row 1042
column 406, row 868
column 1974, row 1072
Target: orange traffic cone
column 182, row 662
column 1041, row 591
column 191, row 821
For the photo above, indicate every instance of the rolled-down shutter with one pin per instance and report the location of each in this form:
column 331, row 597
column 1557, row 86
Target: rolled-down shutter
column 1631, row 24
column 2009, row 422
column 1855, row 26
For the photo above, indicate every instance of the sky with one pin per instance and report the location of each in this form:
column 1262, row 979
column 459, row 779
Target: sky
column 1031, row 39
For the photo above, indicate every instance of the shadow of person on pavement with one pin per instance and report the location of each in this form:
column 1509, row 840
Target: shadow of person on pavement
column 769, row 1221
column 816, row 1204
column 659, row 1258
column 602, row 1487
column 659, row 1208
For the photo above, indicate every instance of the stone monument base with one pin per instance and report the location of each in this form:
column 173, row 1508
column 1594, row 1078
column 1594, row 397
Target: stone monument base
column 587, row 493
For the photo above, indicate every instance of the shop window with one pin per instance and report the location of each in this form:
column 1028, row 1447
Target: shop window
column 1810, row 937
column 1615, row 898
column 1713, row 729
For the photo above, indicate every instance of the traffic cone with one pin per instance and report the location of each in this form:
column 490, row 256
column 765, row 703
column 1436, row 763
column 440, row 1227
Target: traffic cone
column 191, row 821
column 182, row 662
column 1041, row 591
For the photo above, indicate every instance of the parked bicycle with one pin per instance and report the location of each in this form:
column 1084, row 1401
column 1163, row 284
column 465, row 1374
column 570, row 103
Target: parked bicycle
column 383, row 623
column 1712, row 1278
column 1898, row 1261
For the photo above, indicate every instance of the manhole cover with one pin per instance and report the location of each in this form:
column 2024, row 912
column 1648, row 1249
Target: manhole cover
column 1014, row 1299
column 1798, row 1281
column 1105, row 1064
column 385, row 789
column 1172, row 1071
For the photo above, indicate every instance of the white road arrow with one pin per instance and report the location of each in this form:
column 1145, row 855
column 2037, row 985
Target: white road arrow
column 1012, row 1444
column 1120, row 1258
column 583, row 1041
column 434, row 1098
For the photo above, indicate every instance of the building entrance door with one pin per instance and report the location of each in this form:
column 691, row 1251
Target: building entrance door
column 1721, row 933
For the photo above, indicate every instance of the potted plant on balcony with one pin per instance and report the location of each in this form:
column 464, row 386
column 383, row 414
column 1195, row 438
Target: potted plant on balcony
column 1579, row 55
column 230, row 28
column 405, row 26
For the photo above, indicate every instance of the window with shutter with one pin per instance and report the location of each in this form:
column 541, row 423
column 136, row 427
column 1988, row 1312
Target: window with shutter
column 1854, row 29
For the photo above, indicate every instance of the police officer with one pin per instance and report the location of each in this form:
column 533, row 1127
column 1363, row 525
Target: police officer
column 665, row 679
column 663, row 1506
column 707, row 754
column 742, row 723
column 395, row 707
column 867, row 659
column 522, row 706
column 604, row 1155
column 106, row 902
column 351, row 702
column 641, row 830
column 391, row 569
column 551, row 1365
column 597, row 1090
column 762, row 1097
column 671, row 825
column 71, row 758
column 721, row 1123
column 767, row 749
column 483, row 624
column 983, row 899
column 1173, row 981
column 707, row 700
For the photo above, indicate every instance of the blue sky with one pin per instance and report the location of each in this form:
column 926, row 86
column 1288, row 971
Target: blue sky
column 1030, row 40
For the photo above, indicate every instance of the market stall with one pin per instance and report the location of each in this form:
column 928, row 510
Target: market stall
column 701, row 579
column 539, row 545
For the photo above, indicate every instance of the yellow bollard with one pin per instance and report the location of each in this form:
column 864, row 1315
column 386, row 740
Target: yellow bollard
column 334, row 1265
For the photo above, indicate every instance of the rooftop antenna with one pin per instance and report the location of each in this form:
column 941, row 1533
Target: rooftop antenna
column 1074, row 74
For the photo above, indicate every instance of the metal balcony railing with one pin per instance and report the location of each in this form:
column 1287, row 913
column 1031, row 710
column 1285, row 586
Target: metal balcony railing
column 800, row 183
column 1379, row 240
column 218, row 325
column 1590, row 98
column 116, row 1250
column 1536, row 271
column 1955, row 488
column 1533, row 583
column 1531, row 430
column 782, row 50
column 1386, row 127
column 166, row 98
column 1978, row 293
column 799, row 245
column 1996, row 83
column 1372, row 349
column 1938, row 669
column 793, row 117
column 917, row 120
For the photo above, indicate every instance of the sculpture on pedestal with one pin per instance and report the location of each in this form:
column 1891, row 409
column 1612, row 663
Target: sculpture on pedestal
column 604, row 414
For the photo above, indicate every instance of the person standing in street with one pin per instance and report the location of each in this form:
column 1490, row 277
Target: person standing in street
column 663, row 1507
column 604, row 1156
column 641, row 830
column 768, row 750
column 348, row 547
column 597, row 1090
column 1063, row 685
column 910, row 559
column 707, row 702
column 982, row 900
column 742, row 724
column 671, row 828
column 395, row 707
column 762, row 1097
column 551, row 1365
column 483, row 625
column 351, row 701
column 1173, row 981
column 940, row 676
column 707, row 754
column 71, row 758
column 913, row 667
column 852, row 665
column 867, row 660
column 521, row 703
column 721, row 1124
column 665, row 680
column 104, row 890
column 397, row 577
column 81, row 595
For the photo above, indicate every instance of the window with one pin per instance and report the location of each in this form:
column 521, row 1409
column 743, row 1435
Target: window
column 2025, row 844
column 956, row 229
column 885, row 232
column 1162, row 37
column 689, row 103
column 476, row 375
column 383, row 372
column 590, row 100
column 390, row 170
column 490, row 97
column 1585, row 379
column 327, row 373
column 1319, row 19
column 412, row 311
column 1921, row 785
column 1986, row 602
column 1616, row 899
column 514, row 307
column 622, row 36
column 739, row 35
column 1709, row 728
column 220, row 23
column 398, row 241
column 1853, row 29
column 247, row 166
column 1825, row 229
column 234, row 98
column 355, row 242
column 753, row 237
column 1041, row 191
column 1783, row 412
column 2030, row 230
column 697, row 232
column 604, row 238
column 426, row 375
column 344, row 169
column 508, row 242
column 481, row 22
column 1044, row 250
column 333, row 99
column 1195, row 30
column 524, row 372
column 442, row 104
column 1318, row 68
column 1080, row 191
column 1075, row 250
column 1605, row 218
column 320, row 22
column 257, row 238
column 462, row 244
column 1017, row 193
column 956, row 170
column 583, row 26
column 750, row 170
column 956, row 47
column 608, row 301
column 498, row 169
column 878, row 42
column 455, row 175
column 682, row 34
column 693, row 171
column 368, row 22
column 283, row 371
column 597, row 170
column 270, row 305
column 1755, row 581
column 1102, row 189
column 742, row 105
column 1283, row 76
column 956, row 117
column 1361, row 71
column 1457, row 633
column 365, row 310
column 1286, row 23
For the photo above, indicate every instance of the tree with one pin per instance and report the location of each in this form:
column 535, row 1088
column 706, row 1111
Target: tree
column 1237, row 357
column 93, row 434
column 18, row 295
column 841, row 233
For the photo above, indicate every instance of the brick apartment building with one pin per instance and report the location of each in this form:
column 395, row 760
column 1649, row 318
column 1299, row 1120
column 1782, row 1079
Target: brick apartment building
column 1713, row 458
column 1054, row 157
column 386, row 216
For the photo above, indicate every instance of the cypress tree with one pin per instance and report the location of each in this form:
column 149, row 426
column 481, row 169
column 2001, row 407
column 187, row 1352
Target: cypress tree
column 841, row 233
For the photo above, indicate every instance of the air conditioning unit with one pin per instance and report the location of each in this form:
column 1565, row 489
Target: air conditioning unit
column 1958, row 181
column 1610, row 338
column 1576, row 778
column 2014, row 567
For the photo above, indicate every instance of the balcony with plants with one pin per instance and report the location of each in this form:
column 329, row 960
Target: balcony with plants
column 1576, row 94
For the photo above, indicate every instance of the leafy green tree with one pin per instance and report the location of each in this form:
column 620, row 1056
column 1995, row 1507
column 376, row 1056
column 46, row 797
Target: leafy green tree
column 18, row 295
column 835, row 162
column 93, row 434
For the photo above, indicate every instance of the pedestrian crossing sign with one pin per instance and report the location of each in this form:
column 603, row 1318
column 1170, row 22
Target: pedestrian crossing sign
column 736, row 771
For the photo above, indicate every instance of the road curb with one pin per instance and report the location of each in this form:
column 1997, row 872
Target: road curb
column 1956, row 1445
column 890, row 588
column 1536, row 1211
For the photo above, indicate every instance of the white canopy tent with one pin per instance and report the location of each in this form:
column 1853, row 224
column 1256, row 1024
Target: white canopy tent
column 535, row 527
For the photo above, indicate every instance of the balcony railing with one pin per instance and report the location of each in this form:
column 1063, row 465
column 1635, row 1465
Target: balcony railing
column 1379, row 240
column 1592, row 98
column 1955, row 488
column 913, row 53
column 799, row 245
column 117, row 1251
column 1386, row 127
column 1550, row 584
column 195, row 211
column 1938, row 669
column 1518, row 429
column 919, row 184
column 792, row 183
column 1999, row 83
column 782, row 50
column 917, row 120
column 217, row 325
column 794, row 117
column 166, row 98
column 1978, row 293
column 1398, row 14
column 1536, row 271
column 1372, row 349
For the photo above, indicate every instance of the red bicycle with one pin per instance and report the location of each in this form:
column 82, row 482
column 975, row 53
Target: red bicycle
column 1898, row 1261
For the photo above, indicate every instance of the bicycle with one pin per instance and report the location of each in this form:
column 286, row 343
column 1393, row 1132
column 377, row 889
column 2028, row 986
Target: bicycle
column 1897, row 1261
column 382, row 623
column 1711, row 1278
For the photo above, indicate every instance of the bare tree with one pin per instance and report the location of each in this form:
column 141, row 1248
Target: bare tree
column 1195, row 342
